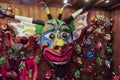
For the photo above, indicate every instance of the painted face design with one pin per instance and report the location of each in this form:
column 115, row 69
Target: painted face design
column 56, row 42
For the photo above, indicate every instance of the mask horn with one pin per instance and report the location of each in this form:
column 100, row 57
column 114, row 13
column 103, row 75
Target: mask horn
column 61, row 10
column 73, row 16
column 21, row 18
column 47, row 10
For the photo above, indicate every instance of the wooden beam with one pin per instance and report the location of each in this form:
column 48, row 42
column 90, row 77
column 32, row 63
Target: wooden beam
column 73, row 1
column 114, row 6
column 99, row 2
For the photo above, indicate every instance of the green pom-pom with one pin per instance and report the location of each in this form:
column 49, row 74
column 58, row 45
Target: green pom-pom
column 71, row 27
column 99, row 60
column 109, row 50
column 78, row 48
column 39, row 29
column 2, row 59
column 77, row 74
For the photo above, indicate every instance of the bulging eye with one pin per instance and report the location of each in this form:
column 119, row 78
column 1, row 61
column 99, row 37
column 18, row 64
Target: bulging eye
column 50, row 35
column 65, row 35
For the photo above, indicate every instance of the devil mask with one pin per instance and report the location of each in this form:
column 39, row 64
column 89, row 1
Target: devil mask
column 56, row 42
column 56, row 35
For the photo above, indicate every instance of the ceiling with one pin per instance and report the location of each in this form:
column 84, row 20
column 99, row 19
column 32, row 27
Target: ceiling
column 113, row 4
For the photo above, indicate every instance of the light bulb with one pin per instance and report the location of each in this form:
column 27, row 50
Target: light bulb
column 87, row 0
column 65, row 1
column 107, row 1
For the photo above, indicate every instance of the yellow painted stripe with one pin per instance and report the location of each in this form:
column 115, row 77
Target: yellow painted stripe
column 47, row 10
column 61, row 10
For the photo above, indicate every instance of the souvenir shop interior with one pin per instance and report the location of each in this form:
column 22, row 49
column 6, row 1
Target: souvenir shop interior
column 59, row 40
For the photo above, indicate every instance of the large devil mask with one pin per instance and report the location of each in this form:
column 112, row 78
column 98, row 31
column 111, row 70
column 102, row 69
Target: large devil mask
column 56, row 42
column 56, row 35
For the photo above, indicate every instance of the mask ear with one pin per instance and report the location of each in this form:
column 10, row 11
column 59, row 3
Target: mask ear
column 39, row 29
column 80, row 25
column 24, row 29
column 71, row 27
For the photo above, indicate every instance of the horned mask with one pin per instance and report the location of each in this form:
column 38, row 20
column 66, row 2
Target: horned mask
column 57, row 36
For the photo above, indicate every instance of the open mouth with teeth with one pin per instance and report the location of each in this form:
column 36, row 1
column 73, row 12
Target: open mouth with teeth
column 58, row 57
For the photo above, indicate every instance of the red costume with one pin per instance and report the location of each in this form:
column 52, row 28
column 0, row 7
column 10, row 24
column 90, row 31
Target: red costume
column 23, row 73
column 30, row 64
column 8, row 67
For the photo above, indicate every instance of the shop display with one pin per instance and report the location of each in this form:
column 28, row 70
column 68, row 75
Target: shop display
column 70, row 48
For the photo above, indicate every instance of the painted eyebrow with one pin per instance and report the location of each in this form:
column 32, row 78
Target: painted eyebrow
column 64, row 28
column 49, row 29
column 51, row 24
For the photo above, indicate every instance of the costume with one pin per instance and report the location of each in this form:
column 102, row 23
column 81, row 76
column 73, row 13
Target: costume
column 10, row 66
column 57, row 36
column 17, row 65
column 23, row 73
column 28, row 64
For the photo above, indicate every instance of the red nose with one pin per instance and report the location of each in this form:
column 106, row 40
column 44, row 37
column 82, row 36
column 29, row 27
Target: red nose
column 44, row 45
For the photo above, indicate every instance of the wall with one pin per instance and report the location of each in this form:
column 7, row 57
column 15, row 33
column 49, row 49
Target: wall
column 37, row 12
column 116, row 45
